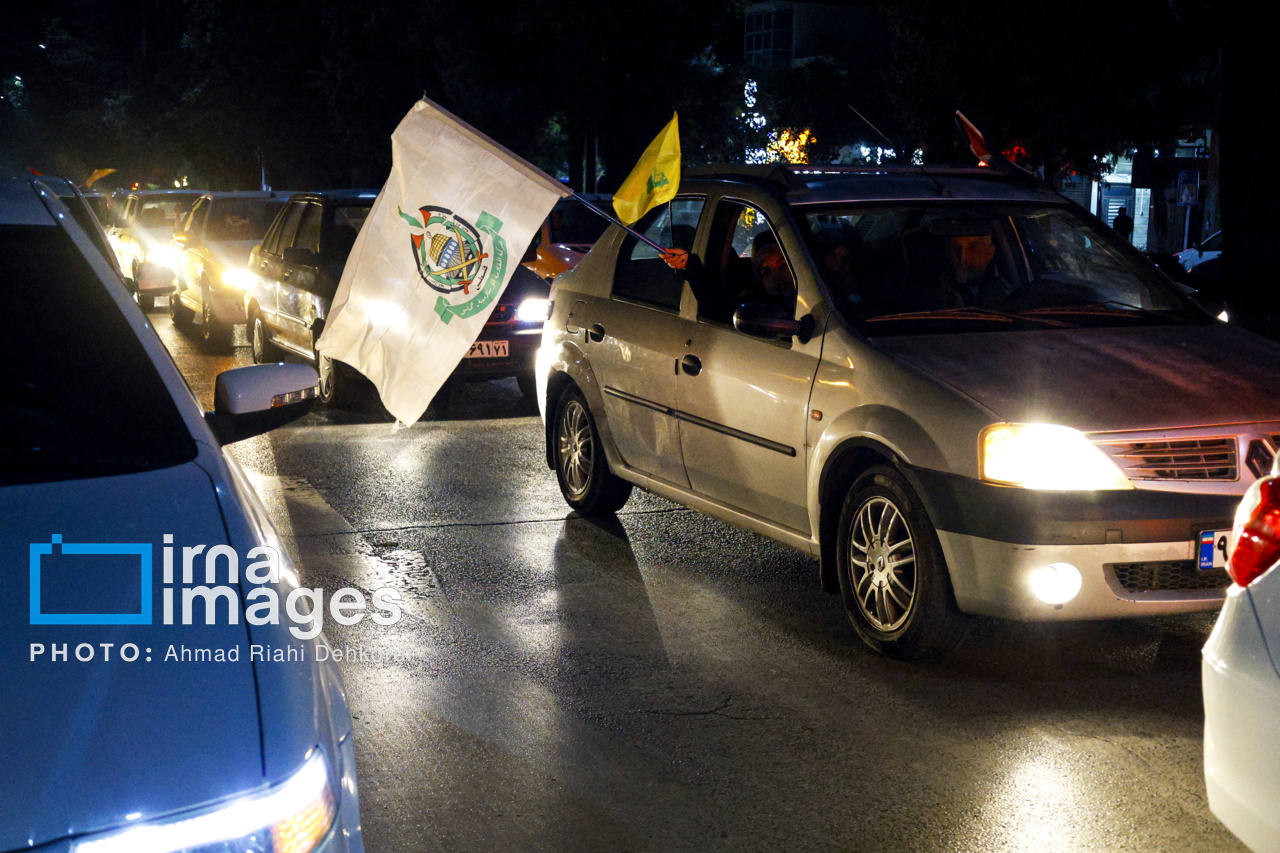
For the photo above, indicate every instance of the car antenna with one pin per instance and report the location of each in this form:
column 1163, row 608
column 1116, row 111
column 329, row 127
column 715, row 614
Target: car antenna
column 942, row 191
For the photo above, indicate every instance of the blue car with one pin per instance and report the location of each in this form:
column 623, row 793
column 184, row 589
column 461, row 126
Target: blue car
column 151, row 700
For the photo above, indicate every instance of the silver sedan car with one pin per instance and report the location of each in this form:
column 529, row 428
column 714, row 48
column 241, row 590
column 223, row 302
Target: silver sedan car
column 959, row 391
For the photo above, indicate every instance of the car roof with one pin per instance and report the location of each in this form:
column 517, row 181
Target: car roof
column 20, row 203
column 820, row 184
column 327, row 196
column 162, row 193
column 266, row 195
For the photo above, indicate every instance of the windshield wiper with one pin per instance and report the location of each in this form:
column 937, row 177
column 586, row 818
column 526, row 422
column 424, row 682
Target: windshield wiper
column 1112, row 307
column 973, row 314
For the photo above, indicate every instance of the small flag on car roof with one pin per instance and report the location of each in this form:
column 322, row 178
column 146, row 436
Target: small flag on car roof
column 436, row 251
column 655, row 179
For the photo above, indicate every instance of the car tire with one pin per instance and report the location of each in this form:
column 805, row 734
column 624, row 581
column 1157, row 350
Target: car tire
column 146, row 301
column 528, row 385
column 215, row 333
column 587, row 483
column 335, row 390
column 179, row 313
column 263, row 350
column 893, row 577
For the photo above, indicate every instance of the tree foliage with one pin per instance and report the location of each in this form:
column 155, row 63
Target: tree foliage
column 307, row 93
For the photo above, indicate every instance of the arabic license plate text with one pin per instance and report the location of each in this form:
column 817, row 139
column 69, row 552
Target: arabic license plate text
column 488, row 349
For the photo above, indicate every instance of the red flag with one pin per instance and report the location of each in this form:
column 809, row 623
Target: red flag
column 977, row 144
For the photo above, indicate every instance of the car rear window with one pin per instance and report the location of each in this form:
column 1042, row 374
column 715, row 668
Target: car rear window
column 81, row 398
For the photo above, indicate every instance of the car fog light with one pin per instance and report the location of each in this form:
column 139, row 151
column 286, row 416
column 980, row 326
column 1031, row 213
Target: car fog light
column 1056, row 583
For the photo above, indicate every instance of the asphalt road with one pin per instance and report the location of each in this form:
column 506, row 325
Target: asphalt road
column 664, row 682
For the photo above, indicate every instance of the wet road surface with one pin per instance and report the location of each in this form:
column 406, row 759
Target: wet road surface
column 663, row 682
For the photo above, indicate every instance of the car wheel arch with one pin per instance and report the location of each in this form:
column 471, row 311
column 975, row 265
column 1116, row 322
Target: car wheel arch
column 841, row 469
column 570, row 367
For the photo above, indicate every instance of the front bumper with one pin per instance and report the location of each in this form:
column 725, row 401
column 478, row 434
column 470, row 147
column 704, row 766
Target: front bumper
column 993, row 578
column 228, row 304
column 154, row 279
column 1241, row 705
column 1135, row 549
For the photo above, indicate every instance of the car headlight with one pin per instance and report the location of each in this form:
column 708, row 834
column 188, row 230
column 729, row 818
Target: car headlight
column 292, row 817
column 165, row 256
column 238, row 278
column 1047, row 457
column 533, row 311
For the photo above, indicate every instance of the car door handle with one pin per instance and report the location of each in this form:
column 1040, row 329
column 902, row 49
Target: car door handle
column 691, row 365
column 596, row 333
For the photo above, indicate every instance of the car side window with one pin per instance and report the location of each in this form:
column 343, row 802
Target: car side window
column 308, row 234
column 641, row 274
column 745, row 263
column 288, row 227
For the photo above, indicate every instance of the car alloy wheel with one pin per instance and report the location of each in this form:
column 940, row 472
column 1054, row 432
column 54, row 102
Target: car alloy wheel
column 893, row 576
column 258, row 342
column 581, row 468
column 324, row 367
column 881, row 566
column 575, row 449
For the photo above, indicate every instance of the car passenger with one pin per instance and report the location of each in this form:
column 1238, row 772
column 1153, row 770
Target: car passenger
column 774, row 282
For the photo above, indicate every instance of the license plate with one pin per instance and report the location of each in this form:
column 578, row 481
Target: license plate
column 1213, row 550
column 488, row 349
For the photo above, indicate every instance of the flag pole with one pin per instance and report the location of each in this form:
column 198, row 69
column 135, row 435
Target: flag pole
column 618, row 222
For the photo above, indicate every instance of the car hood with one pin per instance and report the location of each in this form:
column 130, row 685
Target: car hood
column 87, row 744
column 1107, row 379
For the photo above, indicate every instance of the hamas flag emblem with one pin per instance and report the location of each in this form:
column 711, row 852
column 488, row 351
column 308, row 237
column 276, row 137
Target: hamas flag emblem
column 456, row 258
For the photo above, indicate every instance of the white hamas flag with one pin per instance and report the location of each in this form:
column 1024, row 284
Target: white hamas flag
column 435, row 252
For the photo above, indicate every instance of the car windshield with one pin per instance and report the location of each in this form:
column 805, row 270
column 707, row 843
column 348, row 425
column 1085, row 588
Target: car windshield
column 162, row 212
column 80, row 396
column 960, row 268
column 241, row 218
column 574, row 224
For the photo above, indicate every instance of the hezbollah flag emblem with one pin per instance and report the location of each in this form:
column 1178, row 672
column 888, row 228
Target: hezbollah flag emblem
column 655, row 179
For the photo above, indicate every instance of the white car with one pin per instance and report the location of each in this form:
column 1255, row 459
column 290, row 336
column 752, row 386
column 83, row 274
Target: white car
column 130, row 720
column 1241, row 675
column 952, row 388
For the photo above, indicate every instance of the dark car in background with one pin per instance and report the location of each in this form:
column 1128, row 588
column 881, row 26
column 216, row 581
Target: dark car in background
column 296, row 270
column 211, row 253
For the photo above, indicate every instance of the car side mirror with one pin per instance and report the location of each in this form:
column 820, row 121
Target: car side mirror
column 249, row 401
column 299, row 256
column 762, row 320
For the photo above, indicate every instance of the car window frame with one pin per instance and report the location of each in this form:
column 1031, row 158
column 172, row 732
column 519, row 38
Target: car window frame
column 679, row 308
column 774, row 220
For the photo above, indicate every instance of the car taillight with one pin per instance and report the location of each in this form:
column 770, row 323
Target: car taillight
column 1256, row 536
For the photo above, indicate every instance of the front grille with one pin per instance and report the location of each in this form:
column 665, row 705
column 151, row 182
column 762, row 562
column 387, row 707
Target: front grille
column 1184, row 459
column 1167, row 576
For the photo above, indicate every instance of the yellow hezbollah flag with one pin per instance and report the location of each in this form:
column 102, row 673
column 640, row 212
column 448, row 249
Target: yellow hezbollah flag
column 655, row 178
column 98, row 173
